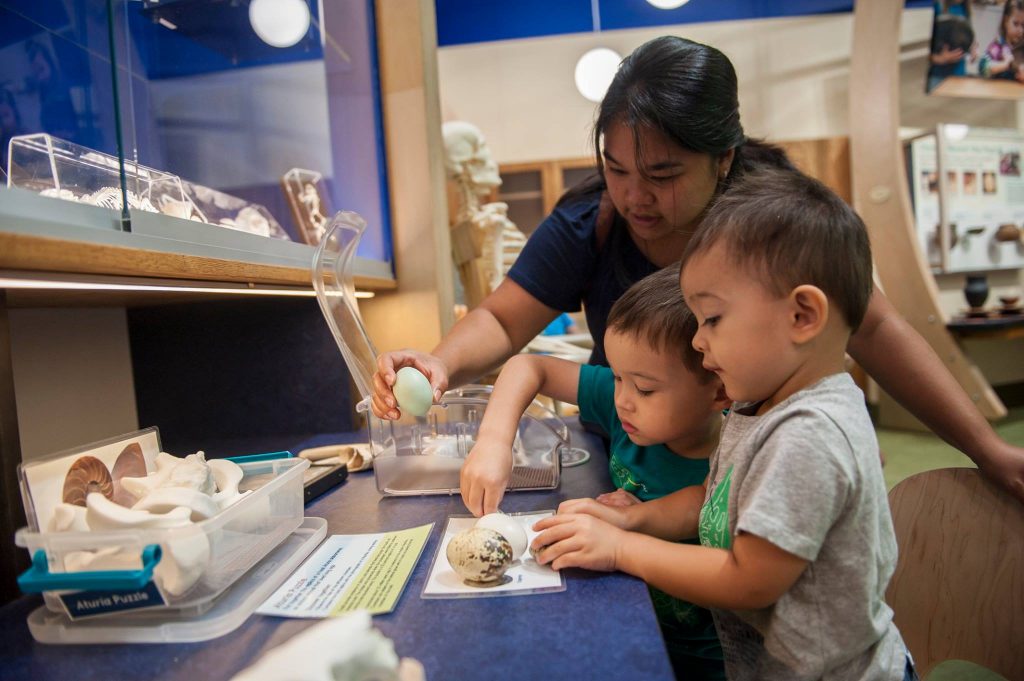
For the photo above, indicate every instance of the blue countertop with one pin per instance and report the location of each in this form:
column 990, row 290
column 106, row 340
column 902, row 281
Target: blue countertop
column 601, row 627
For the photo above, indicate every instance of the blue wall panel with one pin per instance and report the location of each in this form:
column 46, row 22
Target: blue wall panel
column 474, row 21
column 478, row 21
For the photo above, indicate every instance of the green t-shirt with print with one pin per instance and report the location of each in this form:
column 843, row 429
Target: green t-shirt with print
column 651, row 473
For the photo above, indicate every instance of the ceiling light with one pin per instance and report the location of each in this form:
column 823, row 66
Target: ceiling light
column 668, row 4
column 955, row 131
column 95, row 284
column 279, row 23
column 594, row 72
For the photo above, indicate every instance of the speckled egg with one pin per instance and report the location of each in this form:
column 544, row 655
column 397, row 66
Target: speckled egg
column 509, row 528
column 479, row 554
column 412, row 391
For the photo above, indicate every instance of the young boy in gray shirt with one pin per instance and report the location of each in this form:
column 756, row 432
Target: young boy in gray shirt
column 797, row 543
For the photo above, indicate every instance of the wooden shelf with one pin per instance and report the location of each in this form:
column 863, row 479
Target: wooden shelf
column 165, row 257
column 995, row 327
column 979, row 88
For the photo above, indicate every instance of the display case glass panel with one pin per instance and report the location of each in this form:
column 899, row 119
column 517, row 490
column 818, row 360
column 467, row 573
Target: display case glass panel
column 208, row 92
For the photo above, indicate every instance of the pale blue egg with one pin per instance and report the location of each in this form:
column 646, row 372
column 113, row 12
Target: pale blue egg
column 412, row 391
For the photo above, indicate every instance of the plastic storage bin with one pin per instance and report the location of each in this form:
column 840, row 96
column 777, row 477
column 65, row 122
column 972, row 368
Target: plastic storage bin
column 163, row 625
column 422, row 455
column 223, row 547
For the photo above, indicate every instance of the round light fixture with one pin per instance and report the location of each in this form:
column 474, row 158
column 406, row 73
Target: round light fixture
column 668, row 4
column 594, row 72
column 279, row 23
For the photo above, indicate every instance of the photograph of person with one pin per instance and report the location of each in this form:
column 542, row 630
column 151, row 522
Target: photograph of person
column 929, row 181
column 998, row 61
column 953, row 44
column 1009, row 163
column 951, row 184
column 988, row 182
column 970, row 182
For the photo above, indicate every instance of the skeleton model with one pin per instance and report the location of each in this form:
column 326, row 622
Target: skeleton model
column 308, row 202
column 484, row 241
column 311, row 201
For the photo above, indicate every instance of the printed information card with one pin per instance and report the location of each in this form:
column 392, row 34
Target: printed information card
column 351, row 572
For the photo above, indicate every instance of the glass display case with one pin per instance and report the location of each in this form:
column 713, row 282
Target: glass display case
column 201, row 104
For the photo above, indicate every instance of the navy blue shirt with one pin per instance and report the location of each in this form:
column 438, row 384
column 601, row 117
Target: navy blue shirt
column 562, row 267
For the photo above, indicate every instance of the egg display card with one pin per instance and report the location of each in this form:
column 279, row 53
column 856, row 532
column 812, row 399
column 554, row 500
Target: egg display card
column 524, row 577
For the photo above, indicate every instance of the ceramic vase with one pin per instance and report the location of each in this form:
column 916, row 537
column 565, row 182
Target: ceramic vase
column 976, row 291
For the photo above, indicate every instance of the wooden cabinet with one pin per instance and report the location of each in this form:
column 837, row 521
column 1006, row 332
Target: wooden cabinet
column 532, row 189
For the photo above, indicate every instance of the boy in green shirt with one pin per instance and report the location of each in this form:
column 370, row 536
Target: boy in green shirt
column 662, row 411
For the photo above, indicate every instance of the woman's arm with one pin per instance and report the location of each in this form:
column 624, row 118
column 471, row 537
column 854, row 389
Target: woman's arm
column 907, row 368
column 498, row 328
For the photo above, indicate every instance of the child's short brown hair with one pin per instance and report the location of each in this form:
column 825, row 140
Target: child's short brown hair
column 790, row 229
column 653, row 310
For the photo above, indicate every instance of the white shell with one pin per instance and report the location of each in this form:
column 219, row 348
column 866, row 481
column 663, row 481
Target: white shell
column 479, row 554
column 185, row 556
column 68, row 518
column 166, row 499
column 509, row 528
column 103, row 514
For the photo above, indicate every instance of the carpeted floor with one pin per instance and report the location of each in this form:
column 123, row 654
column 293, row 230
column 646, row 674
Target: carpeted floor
column 907, row 452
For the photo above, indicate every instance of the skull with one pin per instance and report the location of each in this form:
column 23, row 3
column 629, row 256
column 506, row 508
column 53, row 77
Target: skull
column 467, row 156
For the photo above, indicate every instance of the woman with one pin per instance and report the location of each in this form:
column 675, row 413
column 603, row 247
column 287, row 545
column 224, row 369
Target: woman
column 668, row 138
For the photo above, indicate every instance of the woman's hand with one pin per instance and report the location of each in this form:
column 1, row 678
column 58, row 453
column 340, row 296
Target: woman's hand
column 485, row 475
column 1005, row 465
column 383, row 400
column 577, row 540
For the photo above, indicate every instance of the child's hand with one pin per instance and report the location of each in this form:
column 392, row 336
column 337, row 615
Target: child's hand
column 619, row 497
column 613, row 515
column 485, row 475
column 947, row 56
column 576, row 540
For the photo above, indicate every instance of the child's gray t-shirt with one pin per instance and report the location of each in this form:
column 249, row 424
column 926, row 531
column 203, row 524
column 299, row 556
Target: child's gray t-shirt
column 806, row 477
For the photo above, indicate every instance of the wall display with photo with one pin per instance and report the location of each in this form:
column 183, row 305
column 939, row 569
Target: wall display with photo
column 977, row 39
column 982, row 198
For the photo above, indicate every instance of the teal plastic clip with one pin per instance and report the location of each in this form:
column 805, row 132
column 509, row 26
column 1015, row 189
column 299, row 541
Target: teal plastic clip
column 38, row 578
column 256, row 458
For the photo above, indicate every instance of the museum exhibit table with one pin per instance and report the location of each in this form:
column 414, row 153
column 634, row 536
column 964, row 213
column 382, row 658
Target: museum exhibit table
column 602, row 626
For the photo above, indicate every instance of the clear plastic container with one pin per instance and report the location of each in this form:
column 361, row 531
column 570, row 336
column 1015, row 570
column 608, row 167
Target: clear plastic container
column 221, row 548
column 54, row 167
column 168, row 626
column 218, row 208
column 422, row 455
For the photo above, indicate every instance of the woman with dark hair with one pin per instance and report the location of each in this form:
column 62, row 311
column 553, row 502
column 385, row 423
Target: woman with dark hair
column 668, row 139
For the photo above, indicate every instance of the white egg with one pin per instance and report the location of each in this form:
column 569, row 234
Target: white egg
column 479, row 554
column 412, row 391
column 509, row 528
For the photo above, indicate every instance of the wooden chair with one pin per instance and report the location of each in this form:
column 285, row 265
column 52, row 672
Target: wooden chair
column 958, row 589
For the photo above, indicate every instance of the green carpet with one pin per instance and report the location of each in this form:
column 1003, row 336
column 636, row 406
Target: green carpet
column 907, row 453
